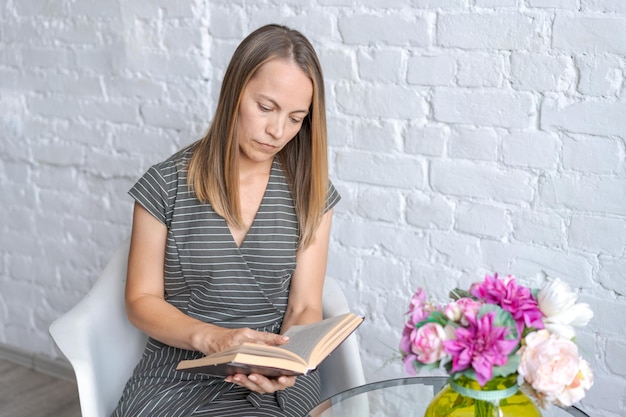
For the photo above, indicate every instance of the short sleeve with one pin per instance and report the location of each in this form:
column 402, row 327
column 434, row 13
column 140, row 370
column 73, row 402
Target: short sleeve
column 152, row 193
column 332, row 197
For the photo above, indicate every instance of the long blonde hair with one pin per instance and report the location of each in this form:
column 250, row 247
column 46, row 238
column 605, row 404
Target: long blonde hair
column 213, row 168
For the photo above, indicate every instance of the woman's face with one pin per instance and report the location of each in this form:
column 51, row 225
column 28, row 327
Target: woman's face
column 273, row 106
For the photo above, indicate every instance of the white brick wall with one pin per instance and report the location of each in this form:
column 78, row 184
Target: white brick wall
column 466, row 136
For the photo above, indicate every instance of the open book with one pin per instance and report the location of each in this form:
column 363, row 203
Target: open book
column 307, row 347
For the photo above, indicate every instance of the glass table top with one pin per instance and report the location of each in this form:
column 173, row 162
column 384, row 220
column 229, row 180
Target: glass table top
column 406, row 397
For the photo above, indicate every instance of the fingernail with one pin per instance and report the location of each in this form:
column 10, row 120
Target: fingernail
column 252, row 378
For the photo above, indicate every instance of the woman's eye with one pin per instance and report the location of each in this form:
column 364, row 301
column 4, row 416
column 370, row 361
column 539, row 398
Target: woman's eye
column 295, row 120
column 264, row 108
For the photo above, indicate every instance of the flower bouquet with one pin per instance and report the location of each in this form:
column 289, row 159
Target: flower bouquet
column 494, row 334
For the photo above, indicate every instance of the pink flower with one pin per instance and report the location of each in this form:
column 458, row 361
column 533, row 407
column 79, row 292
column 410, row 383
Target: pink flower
column 480, row 345
column 551, row 365
column 419, row 309
column 469, row 308
column 427, row 343
column 516, row 299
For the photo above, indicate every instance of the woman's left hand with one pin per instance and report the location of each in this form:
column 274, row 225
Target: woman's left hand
column 262, row 384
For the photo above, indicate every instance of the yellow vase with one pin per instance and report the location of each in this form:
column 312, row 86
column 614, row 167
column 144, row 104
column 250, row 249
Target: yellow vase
column 508, row 401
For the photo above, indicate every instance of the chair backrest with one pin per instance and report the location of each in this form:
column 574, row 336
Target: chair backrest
column 99, row 341
column 103, row 347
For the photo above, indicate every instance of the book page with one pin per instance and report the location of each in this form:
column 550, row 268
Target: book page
column 304, row 338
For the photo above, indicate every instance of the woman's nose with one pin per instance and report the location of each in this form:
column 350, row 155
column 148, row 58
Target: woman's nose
column 275, row 127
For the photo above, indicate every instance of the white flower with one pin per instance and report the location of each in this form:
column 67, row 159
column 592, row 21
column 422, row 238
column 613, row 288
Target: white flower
column 551, row 365
column 558, row 303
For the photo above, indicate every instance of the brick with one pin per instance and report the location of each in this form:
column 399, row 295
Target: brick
column 161, row 116
column 440, row 4
column 502, row 30
column 182, row 39
column 617, row 6
column 607, row 392
column 58, row 153
column 22, row 219
column 46, row 58
column 574, row 191
column 142, row 88
column 477, row 69
column 533, row 227
column 339, row 131
column 589, row 34
column 401, row 241
column 24, row 31
column 54, row 106
column 594, row 117
column 460, row 178
column 95, row 9
column 455, row 249
column 426, row 140
column 391, row 101
column 555, row 4
column 538, row 72
column 475, row 144
column 227, row 23
column 481, row 220
column 377, row 136
column 163, row 65
column 315, row 23
column 592, row 154
column 380, row 66
column 429, row 211
column 379, row 204
column 597, row 235
column 115, row 112
column 437, row 279
column 532, row 149
column 496, row 3
column 341, row 264
column 98, row 60
column 600, row 75
column 483, row 107
column 610, row 273
column 605, row 310
column 391, row 29
column 40, row 8
column 431, row 70
column 337, row 64
column 615, row 349
column 378, row 169
column 524, row 260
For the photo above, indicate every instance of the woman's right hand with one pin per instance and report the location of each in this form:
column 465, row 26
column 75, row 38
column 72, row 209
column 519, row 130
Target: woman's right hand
column 211, row 339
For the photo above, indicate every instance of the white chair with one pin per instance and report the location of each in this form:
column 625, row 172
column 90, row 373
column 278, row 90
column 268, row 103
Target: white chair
column 103, row 347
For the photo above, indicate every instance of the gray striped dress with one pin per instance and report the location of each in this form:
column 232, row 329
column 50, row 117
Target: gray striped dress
column 208, row 277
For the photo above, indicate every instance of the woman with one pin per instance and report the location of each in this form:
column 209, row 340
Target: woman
column 230, row 238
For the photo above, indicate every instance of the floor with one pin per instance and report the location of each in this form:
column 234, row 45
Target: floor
column 26, row 393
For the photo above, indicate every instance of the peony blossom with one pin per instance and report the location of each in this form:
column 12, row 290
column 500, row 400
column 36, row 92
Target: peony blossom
column 551, row 365
column 516, row 299
column 558, row 303
column 481, row 346
column 427, row 343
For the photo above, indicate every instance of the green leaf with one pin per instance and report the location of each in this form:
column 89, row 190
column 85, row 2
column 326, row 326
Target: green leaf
column 510, row 367
column 502, row 318
column 434, row 317
column 458, row 293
